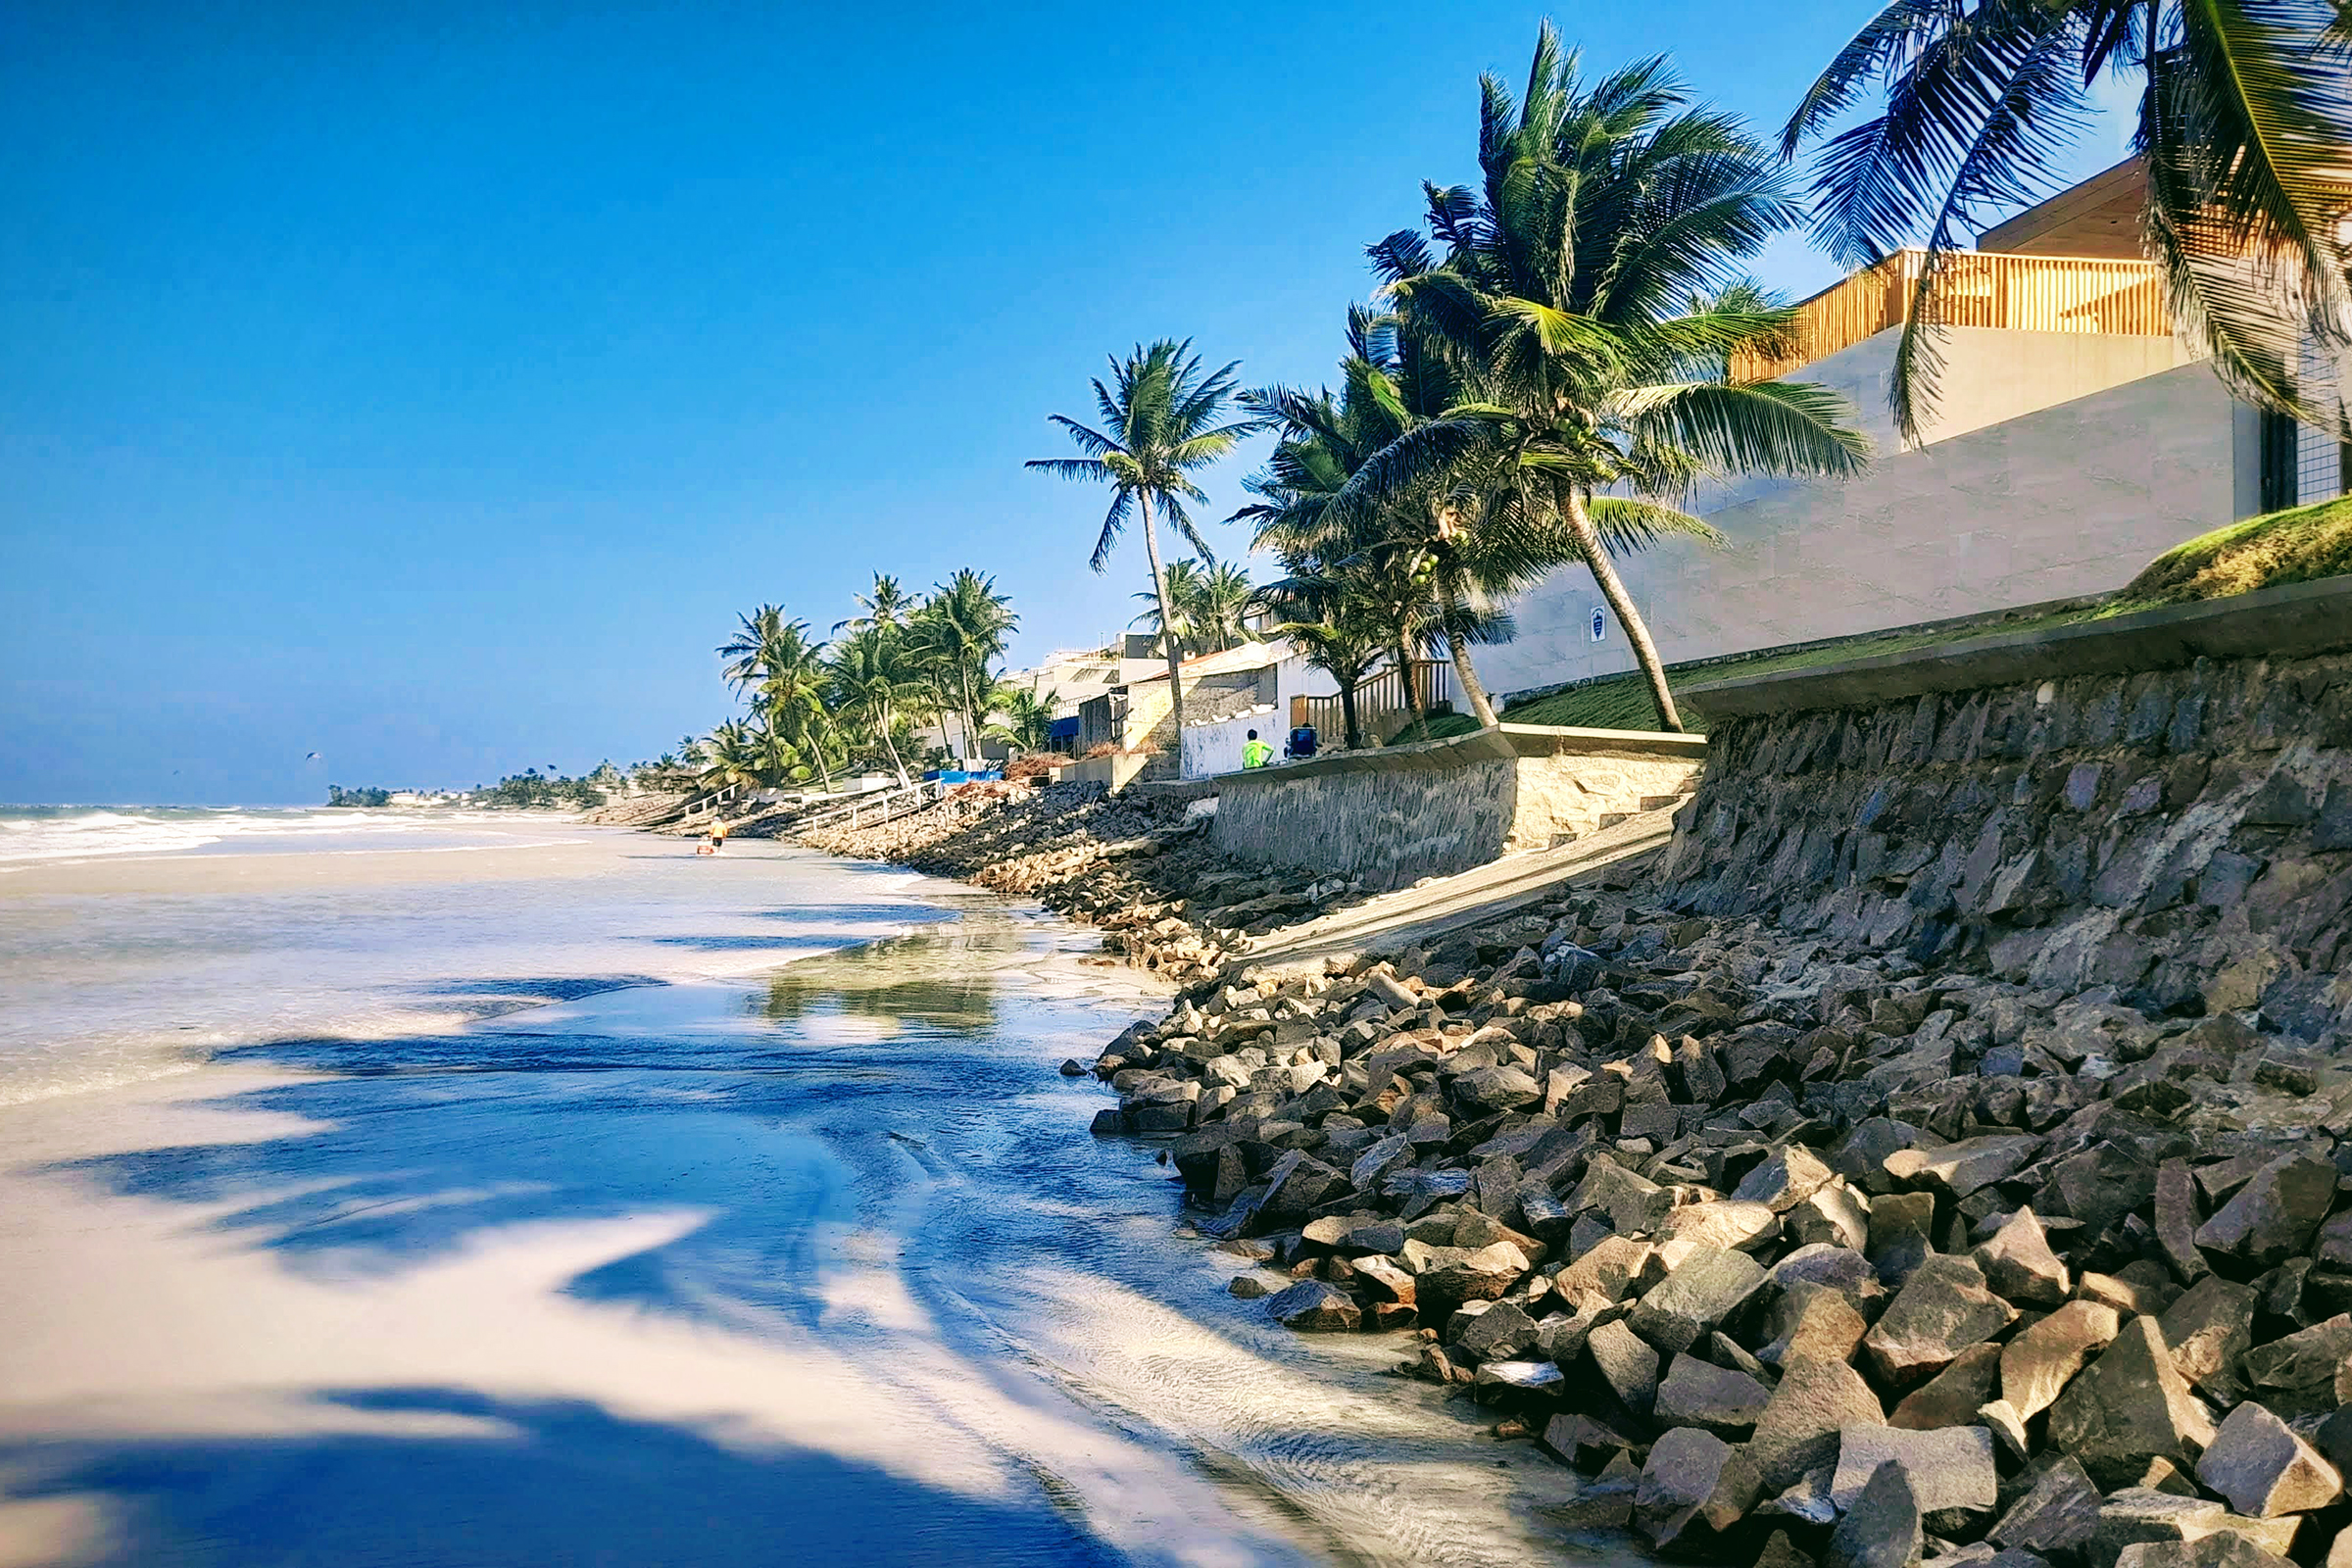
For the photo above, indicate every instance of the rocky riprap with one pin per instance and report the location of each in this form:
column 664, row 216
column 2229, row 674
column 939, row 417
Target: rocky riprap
column 1143, row 870
column 1806, row 1253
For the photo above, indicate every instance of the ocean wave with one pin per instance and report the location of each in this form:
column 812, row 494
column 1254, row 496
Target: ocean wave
column 74, row 833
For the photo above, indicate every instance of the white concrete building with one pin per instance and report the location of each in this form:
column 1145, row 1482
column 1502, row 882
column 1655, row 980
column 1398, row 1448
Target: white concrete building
column 2074, row 440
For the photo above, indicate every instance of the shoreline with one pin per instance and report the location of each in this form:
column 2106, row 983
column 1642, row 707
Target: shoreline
column 1797, row 1249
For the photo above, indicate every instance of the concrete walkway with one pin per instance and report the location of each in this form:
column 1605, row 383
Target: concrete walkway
column 1386, row 926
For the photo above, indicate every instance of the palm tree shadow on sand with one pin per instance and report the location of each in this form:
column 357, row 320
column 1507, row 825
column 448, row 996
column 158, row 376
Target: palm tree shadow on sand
column 535, row 1483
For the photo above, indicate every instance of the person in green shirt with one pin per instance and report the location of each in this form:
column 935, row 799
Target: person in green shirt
column 1256, row 752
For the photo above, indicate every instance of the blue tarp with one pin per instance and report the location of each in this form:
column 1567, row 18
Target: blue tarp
column 951, row 775
column 1064, row 729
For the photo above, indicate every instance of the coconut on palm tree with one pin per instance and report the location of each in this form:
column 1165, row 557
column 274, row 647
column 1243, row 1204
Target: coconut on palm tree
column 2244, row 121
column 1584, row 301
column 1162, row 419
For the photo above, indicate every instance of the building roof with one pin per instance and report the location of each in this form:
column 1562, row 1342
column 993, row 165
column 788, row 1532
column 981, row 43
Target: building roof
column 1232, row 662
column 2098, row 219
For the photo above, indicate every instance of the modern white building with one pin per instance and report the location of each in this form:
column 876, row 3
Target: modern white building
column 2073, row 439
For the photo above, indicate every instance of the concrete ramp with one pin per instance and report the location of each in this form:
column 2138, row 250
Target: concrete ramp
column 1386, row 926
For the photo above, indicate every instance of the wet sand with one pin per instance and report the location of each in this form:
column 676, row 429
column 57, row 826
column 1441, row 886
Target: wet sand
column 816, row 1264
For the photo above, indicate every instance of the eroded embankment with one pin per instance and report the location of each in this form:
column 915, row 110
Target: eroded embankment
column 1945, row 1155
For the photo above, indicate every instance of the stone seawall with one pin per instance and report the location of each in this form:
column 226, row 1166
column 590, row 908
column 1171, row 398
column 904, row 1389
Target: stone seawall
column 1394, row 815
column 2182, row 834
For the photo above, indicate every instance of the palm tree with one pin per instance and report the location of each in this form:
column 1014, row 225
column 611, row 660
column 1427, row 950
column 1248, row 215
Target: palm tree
column 1181, row 593
column 732, row 757
column 773, row 658
column 1164, row 420
column 1585, row 307
column 875, row 679
column 1336, row 627
column 2244, row 119
column 960, row 632
column 889, row 605
column 1028, row 715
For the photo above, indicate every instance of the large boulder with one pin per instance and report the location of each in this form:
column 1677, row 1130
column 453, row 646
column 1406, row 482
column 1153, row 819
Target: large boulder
column 2019, row 1265
column 1312, row 1306
column 1714, row 1399
column 2039, row 1363
column 1628, row 1365
column 1883, row 1528
column 2265, row 1468
column 2131, row 1406
column 1953, row 1396
column 2208, row 1329
column 1800, row 1428
column 1784, row 1179
column 1710, row 1285
column 2057, row 1514
column 1948, row 1469
column 1942, row 1310
column 1959, row 1170
column 2275, row 1214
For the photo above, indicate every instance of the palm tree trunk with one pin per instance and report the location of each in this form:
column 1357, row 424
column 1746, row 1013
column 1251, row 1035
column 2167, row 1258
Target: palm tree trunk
column 1412, row 685
column 898, row 764
column 1349, row 726
column 1621, row 604
column 1167, row 623
column 1472, row 691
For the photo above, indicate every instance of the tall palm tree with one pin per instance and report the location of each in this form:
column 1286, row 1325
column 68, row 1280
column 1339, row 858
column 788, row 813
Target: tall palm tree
column 961, row 631
column 1585, row 304
column 2244, row 119
column 889, row 605
column 1028, row 715
column 1164, row 420
column 1181, row 593
column 876, row 679
column 773, row 659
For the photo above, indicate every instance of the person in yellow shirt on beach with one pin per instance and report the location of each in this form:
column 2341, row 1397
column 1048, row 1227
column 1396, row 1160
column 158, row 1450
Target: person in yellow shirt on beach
column 1255, row 752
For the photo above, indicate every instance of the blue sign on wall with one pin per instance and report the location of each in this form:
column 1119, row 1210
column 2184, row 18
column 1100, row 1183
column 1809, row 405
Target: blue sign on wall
column 1601, row 624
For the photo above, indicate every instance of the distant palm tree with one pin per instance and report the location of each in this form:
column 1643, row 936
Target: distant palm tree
column 1028, row 716
column 1585, row 307
column 960, row 632
column 875, row 679
column 773, row 658
column 2244, row 119
column 889, row 605
column 1164, row 419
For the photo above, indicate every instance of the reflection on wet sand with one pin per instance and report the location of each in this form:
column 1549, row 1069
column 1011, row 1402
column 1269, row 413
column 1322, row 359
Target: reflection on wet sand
column 815, row 1263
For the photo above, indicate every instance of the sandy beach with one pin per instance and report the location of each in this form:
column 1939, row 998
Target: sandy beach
column 603, row 1239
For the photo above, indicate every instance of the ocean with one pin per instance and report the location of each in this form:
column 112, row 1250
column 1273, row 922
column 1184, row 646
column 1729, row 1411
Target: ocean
column 434, row 1188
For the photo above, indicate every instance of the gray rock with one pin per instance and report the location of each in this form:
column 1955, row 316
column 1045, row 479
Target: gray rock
column 2039, row 1363
column 1583, row 1441
column 1834, row 1214
column 1808, row 1499
column 1733, row 1226
column 1501, row 1332
column 1613, row 1268
column 1625, row 1364
column 1480, row 1275
column 1497, row 1089
column 1497, row 1379
column 1800, row 1428
column 1952, row 1397
column 1699, row 1393
column 2223, row 1551
column 1959, row 1170
column 2137, row 1516
column 1356, row 1233
column 2059, row 1513
column 2177, row 1219
column 1248, row 1287
column 2306, row 1359
column 1882, row 1530
column 1842, row 1269
column 2264, row 1468
column 2008, row 1429
column 1942, row 1310
column 1785, row 1178
column 1375, row 1164
column 1312, row 1306
column 1711, row 1284
column 1862, row 1157
column 1681, row 1471
column 2275, row 1214
column 1948, row 1469
column 1634, row 1204
column 2131, row 1405
column 2207, row 1330
column 1296, row 1185
column 2018, row 1264
column 1819, row 1325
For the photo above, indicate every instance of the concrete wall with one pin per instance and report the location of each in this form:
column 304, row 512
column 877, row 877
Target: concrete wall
column 2071, row 498
column 1395, row 816
column 2160, row 802
column 1216, row 747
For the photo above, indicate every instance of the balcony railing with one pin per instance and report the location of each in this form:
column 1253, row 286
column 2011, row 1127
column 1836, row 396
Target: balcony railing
column 1381, row 703
column 1972, row 288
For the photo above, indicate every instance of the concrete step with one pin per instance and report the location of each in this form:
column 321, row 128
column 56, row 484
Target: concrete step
column 1612, row 818
column 1659, row 803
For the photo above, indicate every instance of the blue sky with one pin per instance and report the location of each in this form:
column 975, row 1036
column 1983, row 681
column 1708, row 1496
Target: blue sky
column 429, row 385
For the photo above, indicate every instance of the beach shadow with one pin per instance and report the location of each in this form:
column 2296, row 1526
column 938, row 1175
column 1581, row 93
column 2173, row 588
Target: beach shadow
column 561, row 1482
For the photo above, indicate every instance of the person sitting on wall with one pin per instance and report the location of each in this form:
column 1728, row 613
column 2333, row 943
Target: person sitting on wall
column 1302, row 744
column 1255, row 752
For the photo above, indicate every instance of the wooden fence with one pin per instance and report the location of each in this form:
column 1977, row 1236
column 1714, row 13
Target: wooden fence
column 1972, row 288
column 1379, row 701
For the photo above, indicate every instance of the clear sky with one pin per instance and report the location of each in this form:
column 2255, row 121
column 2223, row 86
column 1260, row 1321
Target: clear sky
column 429, row 385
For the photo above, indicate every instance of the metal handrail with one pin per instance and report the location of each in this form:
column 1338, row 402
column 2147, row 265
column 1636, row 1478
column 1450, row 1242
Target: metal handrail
column 886, row 803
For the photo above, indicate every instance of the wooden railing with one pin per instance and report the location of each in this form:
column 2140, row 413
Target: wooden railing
column 1972, row 288
column 1381, row 697
column 877, row 807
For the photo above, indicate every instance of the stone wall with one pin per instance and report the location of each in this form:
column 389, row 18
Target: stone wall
column 2181, row 832
column 1394, row 815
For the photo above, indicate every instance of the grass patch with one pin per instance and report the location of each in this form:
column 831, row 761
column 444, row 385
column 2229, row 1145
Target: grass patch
column 1436, row 727
column 2301, row 544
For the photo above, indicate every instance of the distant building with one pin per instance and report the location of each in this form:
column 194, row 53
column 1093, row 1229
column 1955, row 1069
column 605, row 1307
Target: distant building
column 2075, row 438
